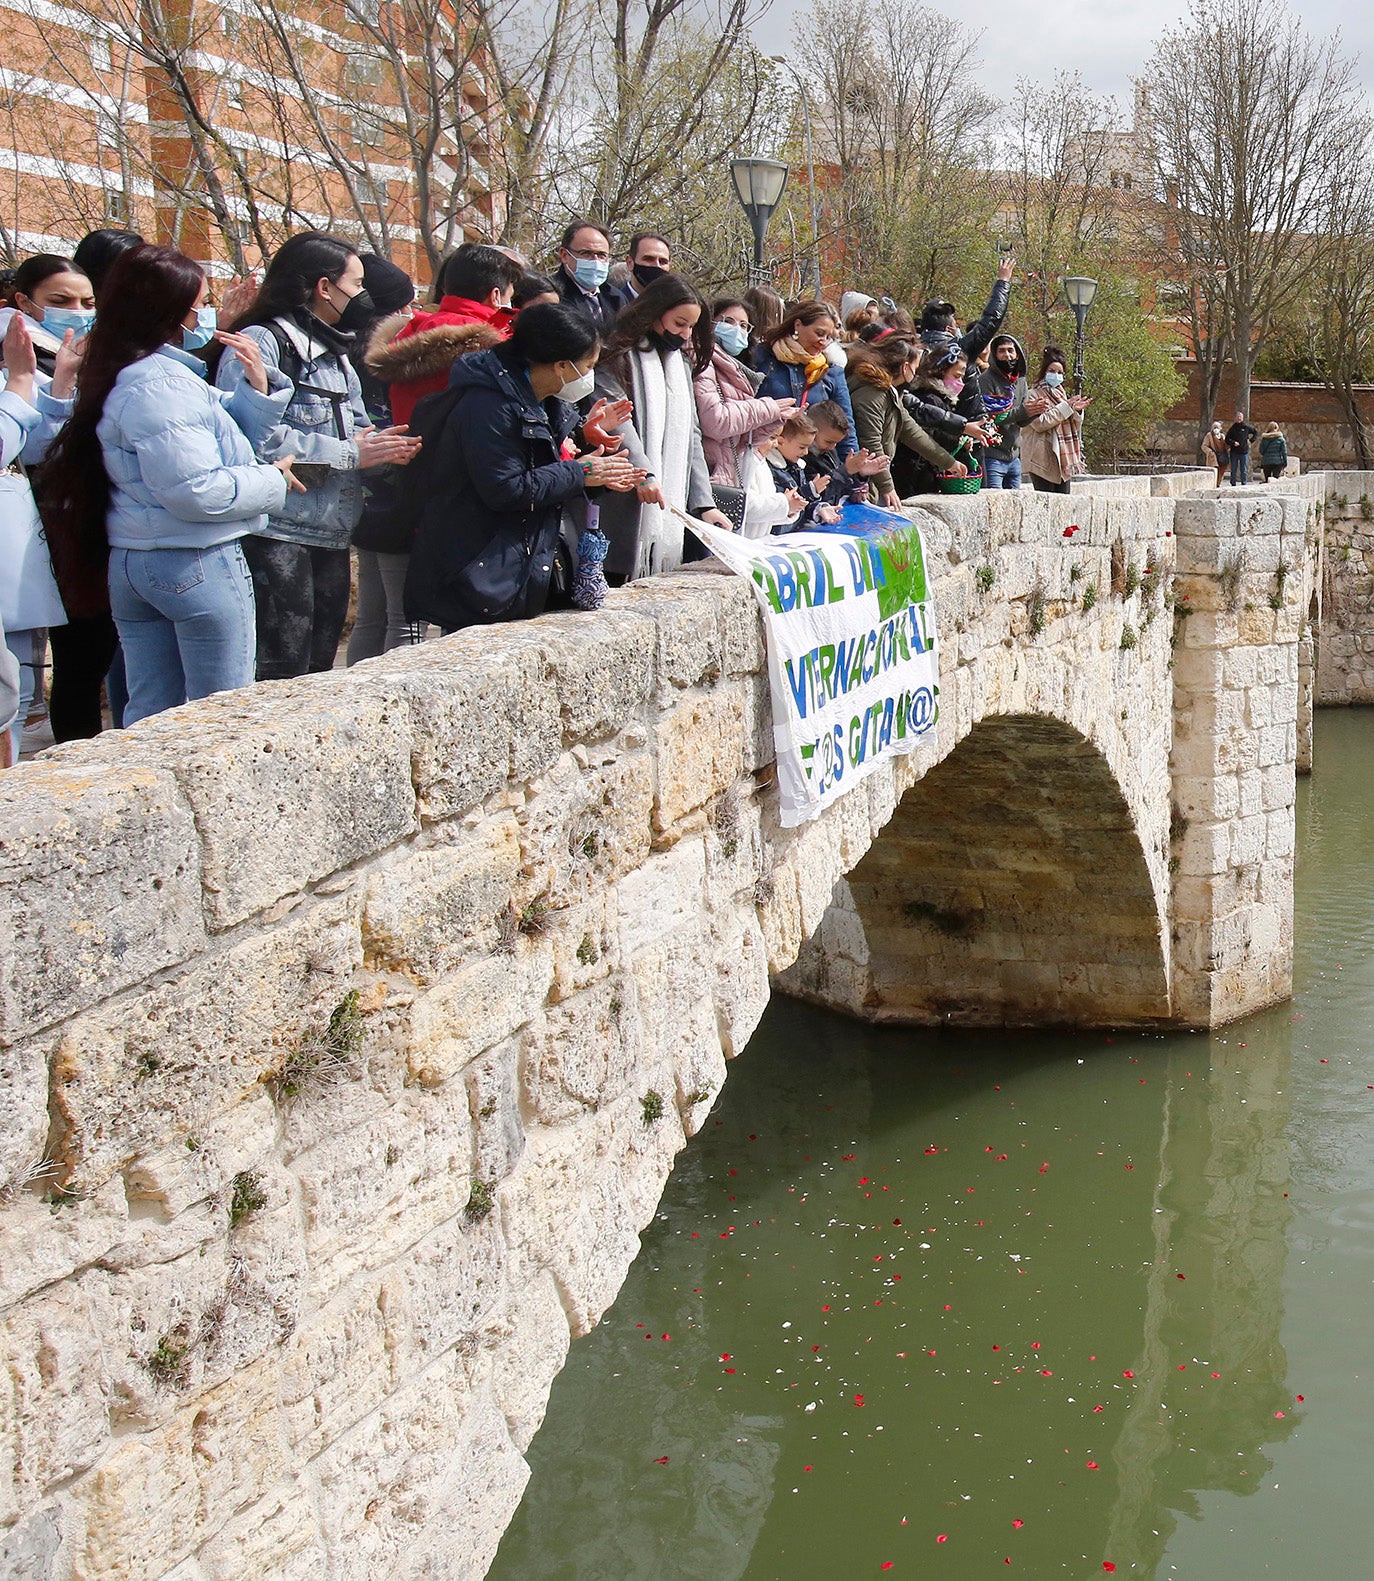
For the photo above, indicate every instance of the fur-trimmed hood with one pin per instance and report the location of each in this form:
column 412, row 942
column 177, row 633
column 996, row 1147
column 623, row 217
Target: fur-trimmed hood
column 428, row 354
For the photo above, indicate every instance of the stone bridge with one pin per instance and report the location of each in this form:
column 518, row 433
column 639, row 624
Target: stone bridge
column 350, row 1026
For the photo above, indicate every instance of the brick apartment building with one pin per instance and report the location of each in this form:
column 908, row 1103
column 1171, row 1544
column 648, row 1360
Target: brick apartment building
column 222, row 126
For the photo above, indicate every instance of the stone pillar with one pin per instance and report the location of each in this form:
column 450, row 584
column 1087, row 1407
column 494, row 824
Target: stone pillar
column 1239, row 612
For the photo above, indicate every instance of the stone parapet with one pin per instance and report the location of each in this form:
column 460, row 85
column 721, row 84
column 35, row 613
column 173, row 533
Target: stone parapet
column 349, row 1026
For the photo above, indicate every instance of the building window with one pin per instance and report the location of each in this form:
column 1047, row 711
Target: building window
column 233, row 93
column 117, row 206
column 100, row 54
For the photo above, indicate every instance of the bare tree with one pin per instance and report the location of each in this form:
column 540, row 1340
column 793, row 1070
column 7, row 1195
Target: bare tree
column 908, row 137
column 1063, row 191
column 1343, row 294
column 1250, row 118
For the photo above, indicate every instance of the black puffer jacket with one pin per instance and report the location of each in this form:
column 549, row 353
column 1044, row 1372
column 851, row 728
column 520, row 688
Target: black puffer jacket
column 943, row 415
column 491, row 492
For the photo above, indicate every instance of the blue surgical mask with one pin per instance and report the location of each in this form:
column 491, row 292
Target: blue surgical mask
column 591, row 273
column 1054, row 380
column 58, row 320
column 207, row 322
column 733, row 337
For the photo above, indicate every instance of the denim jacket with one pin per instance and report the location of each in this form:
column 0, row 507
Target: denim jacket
column 326, row 514
column 180, row 455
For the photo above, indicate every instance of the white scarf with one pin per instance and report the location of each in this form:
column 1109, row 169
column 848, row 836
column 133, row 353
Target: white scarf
column 665, row 410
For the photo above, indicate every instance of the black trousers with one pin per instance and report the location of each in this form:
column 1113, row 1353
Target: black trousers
column 81, row 653
column 302, row 598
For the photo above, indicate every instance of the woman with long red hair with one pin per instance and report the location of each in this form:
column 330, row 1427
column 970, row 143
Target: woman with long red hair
column 153, row 482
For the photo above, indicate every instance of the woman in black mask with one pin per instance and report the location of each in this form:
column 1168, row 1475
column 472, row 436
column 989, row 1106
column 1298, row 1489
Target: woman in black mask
column 305, row 320
column 660, row 342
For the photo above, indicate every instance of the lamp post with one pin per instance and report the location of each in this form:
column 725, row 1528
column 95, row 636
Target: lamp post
column 813, row 208
column 1079, row 292
column 759, row 184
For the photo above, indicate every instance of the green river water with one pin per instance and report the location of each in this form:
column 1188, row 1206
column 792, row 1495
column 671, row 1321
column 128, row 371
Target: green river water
column 970, row 1305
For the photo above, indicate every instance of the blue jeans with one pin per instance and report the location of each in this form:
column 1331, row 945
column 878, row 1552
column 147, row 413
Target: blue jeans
column 186, row 623
column 1240, row 467
column 1001, row 474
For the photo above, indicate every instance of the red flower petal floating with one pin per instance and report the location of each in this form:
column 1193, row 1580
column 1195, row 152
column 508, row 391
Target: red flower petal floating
column 858, row 1399
column 1299, row 1398
column 1128, row 1374
column 1108, row 1566
column 1092, row 1465
column 661, row 1461
column 886, row 1565
column 943, row 1537
column 726, row 1356
column 1017, row 1525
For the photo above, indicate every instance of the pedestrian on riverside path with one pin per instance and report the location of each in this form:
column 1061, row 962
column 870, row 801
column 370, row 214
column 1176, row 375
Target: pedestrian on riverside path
column 157, row 465
column 1273, row 452
column 493, row 481
column 304, row 321
column 1052, row 443
column 1214, row 445
column 1008, row 406
column 659, row 344
column 1239, row 437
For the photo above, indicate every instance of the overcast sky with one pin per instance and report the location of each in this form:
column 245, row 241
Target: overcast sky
column 1106, row 41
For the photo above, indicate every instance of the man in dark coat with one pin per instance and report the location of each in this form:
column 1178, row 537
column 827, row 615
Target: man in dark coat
column 1239, row 437
column 584, row 266
column 649, row 259
column 939, row 319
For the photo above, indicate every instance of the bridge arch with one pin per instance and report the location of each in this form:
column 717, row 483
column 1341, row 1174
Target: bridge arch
column 1010, row 887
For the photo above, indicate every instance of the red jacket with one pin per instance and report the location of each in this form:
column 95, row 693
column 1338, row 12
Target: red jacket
column 441, row 348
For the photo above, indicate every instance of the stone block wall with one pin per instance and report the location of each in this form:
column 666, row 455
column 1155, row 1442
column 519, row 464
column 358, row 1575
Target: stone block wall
column 1345, row 644
column 1241, row 581
column 349, row 1027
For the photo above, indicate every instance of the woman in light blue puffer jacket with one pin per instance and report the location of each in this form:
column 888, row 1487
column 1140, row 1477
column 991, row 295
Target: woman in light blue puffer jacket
column 303, row 321
column 160, row 466
column 30, row 416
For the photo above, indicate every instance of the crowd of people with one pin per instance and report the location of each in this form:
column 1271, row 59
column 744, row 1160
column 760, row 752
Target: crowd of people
column 188, row 486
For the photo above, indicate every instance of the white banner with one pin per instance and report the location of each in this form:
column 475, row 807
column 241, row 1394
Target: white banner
column 852, row 659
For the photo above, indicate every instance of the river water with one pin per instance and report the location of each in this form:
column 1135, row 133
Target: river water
column 959, row 1306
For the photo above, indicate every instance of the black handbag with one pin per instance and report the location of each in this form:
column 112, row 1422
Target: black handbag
column 730, row 502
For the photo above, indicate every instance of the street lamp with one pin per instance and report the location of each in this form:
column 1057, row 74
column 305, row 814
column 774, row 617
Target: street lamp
column 759, row 183
column 1079, row 292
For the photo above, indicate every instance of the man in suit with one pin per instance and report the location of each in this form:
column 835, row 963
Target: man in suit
column 648, row 259
column 584, row 262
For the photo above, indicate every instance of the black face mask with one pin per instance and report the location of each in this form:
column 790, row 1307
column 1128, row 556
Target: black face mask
column 1007, row 364
column 646, row 274
column 358, row 313
column 666, row 342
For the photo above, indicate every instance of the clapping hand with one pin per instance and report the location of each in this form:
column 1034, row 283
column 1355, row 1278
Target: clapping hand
column 605, row 417
column 864, row 463
column 20, row 362
column 379, row 446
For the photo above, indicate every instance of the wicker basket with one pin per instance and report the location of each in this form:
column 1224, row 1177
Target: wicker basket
column 952, row 485
column 971, row 484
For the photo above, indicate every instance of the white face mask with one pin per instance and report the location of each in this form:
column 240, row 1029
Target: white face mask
column 578, row 389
